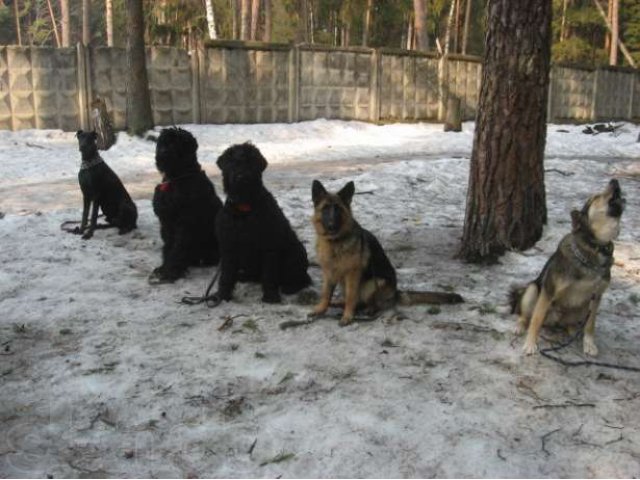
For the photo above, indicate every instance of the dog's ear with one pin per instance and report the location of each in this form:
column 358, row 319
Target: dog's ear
column 578, row 218
column 94, row 135
column 223, row 160
column 346, row 193
column 78, row 133
column 318, row 192
column 259, row 158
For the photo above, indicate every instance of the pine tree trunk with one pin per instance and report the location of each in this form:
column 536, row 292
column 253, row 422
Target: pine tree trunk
column 245, row 19
column 613, row 53
column 86, row 22
column 139, row 115
column 465, row 30
column 108, row 7
column 211, row 20
column 16, row 15
column 506, row 197
column 53, row 23
column 420, row 14
column 255, row 16
column 64, row 24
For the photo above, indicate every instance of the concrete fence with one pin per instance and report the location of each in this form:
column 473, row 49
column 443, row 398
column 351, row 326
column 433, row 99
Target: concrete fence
column 246, row 82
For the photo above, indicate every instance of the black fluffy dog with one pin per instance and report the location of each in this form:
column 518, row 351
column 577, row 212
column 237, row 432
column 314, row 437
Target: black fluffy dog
column 101, row 187
column 257, row 243
column 186, row 204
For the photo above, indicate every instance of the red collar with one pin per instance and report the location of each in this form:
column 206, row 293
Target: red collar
column 164, row 186
column 242, row 207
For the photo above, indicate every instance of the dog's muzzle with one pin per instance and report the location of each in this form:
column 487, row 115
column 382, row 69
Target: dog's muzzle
column 617, row 201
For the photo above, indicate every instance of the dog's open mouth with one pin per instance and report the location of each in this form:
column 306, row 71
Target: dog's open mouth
column 617, row 201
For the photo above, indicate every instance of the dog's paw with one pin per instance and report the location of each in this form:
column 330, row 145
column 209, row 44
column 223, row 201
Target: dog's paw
column 530, row 348
column 346, row 320
column 87, row 235
column 76, row 231
column 589, row 346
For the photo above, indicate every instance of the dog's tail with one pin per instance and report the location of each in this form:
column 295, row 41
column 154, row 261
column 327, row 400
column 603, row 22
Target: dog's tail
column 515, row 295
column 434, row 298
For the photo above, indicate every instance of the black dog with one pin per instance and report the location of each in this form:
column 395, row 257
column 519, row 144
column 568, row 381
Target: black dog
column 257, row 243
column 101, row 187
column 186, row 204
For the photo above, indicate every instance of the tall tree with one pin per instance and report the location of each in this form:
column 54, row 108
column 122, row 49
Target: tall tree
column 506, row 197
column 16, row 14
column 65, row 24
column 420, row 15
column 465, row 29
column 255, row 16
column 108, row 13
column 211, row 20
column 245, row 19
column 139, row 115
column 53, row 23
column 367, row 23
column 615, row 17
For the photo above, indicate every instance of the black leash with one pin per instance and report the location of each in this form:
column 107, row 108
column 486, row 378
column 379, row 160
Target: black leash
column 582, row 363
column 67, row 225
column 211, row 301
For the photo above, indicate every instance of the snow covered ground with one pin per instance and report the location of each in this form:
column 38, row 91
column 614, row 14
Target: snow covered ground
column 103, row 375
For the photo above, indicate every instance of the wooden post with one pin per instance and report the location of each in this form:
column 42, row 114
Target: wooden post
column 294, row 84
column 195, row 85
column 83, row 94
column 374, row 92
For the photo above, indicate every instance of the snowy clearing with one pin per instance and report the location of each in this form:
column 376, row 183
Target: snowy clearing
column 103, row 375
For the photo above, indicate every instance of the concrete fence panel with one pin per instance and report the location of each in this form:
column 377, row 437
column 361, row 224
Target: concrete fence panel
column 335, row 83
column 613, row 100
column 465, row 77
column 39, row 88
column 408, row 87
column 571, row 93
column 241, row 84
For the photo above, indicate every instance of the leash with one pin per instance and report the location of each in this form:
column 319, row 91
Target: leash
column 211, row 301
column 66, row 226
column 582, row 363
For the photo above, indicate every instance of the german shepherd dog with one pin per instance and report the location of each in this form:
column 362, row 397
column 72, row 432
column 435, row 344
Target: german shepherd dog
column 102, row 188
column 351, row 256
column 569, row 288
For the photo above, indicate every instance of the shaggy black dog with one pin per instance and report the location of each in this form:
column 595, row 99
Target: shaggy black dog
column 186, row 204
column 257, row 243
column 101, row 187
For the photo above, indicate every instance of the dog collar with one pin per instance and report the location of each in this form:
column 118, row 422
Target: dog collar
column 606, row 250
column 164, row 186
column 91, row 163
column 242, row 207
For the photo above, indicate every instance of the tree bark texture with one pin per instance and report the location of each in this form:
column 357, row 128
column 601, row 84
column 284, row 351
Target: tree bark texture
column 420, row 15
column 245, row 19
column 506, row 206
column 211, row 20
column 108, row 7
column 16, row 15
column 267, row 21
column 65, row 23
column 86, row 22
column 255, row 16
column 139, row 116
column 367, row 23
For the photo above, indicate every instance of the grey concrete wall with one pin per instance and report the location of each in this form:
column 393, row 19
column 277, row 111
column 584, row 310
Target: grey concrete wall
column 249, row 82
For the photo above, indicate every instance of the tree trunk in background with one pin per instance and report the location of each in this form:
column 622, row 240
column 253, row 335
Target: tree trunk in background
column 255, row 16
column 607, row 35
column 245, row 19
column 139, row 116
column 615, row 17
column 16, row 15
column 302, row 32
column 456, row 26
column 108, row 7
column 506, row 197
column 420, row 14
column 465, row 31
column 211, row 20
column 267, row 21
column 367, row 23
column 86, row 22
column 53, row 22
column 65, row 24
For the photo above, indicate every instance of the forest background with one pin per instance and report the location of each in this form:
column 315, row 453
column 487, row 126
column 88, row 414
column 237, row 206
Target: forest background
column 580, row 33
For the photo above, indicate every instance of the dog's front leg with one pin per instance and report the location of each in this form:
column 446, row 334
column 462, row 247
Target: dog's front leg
column 589, row 342
column 351, row 296
column 270, row 287
column 325, row 297
column 537, row 319
column 228, row 274
column 94, row 220
column 86, row 205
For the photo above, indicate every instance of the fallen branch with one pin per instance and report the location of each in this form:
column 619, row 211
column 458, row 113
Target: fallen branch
column 565, row 405
column 544, row 440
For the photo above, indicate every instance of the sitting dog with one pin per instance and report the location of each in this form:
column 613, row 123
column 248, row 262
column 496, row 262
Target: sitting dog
column 101, row 187
column 257, row 243
column 569, row 288
column 186, row 204
column 352, row 257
